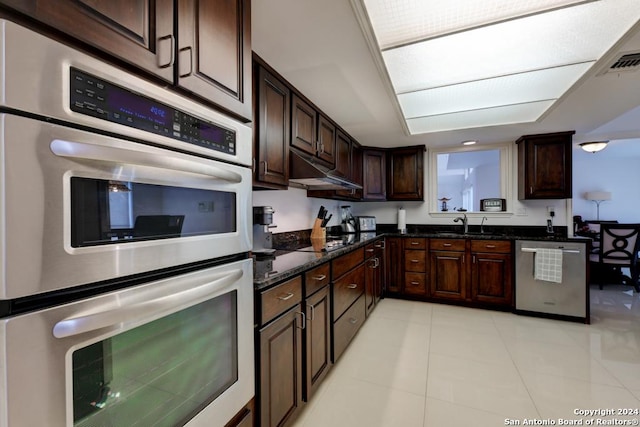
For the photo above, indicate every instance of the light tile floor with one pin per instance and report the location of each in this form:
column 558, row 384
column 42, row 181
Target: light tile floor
column 428, row 365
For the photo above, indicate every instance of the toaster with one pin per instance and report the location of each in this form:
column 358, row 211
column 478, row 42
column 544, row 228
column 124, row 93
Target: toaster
column 366, row 223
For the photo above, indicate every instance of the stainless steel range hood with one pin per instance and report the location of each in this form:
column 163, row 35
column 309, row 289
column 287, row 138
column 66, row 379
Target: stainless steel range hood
column 306, row 172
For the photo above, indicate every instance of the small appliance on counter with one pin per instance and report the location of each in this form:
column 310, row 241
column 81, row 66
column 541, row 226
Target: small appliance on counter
column 366, row 224
column 348, row 224
column 262, row 223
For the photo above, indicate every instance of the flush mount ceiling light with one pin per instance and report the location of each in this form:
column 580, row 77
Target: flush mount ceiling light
column 461, row 64
column 472, row 142
column 594, row 147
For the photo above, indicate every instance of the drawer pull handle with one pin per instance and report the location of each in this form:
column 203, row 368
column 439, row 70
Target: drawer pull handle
column 320, row 277
column 415, row 283
column 352, row 286
column 490, row 246
column 353, row 320
column 312, row 310
column 380, row 245
column 415, row 261
column 288, row 296
column 369, row 250
column 415, row 243
column 446, row 245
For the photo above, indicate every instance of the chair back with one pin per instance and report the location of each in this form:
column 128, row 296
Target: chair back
column 619, row 244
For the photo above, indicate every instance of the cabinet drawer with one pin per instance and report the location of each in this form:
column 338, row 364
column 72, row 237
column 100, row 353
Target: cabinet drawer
column 345, row 328
column 497, row 246
column 347, row 289
column 316, row 279
column 447, row 244
column 411, row 243
column 341, row 265
column 369, row 250
column 415, row 261
column 415, row 283
column 280, row 298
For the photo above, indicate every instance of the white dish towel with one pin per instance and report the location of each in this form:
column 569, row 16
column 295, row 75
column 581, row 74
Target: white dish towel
column 548, row 265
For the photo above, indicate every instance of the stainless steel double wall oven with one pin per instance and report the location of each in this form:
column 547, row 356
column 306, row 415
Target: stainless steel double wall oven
column 125, row 283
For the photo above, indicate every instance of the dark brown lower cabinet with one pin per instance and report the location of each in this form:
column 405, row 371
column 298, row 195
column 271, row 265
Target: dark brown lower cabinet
column 492, row 272
column 394, row 271
column 281, row 369
column 317, row 340
column 448, row 275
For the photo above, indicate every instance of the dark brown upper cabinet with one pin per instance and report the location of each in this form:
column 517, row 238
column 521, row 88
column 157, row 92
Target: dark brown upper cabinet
column 327, row 143
column 139, row 32
column 544, row 166
column 374, row 182
column 405, row 173
column 214, row 52
column 303, row 125
column 272, row 122
column 208, row 55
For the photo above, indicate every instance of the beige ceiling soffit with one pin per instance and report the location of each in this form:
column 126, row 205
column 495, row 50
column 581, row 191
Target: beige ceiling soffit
column 363, row 20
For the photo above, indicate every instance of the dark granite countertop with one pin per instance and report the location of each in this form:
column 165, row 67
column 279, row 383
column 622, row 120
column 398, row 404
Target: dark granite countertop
column 289, row 261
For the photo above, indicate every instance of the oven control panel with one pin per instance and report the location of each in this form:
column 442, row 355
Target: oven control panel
column 96, row 97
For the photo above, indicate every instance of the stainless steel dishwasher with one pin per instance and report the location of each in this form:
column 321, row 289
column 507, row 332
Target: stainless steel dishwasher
column 567, row 299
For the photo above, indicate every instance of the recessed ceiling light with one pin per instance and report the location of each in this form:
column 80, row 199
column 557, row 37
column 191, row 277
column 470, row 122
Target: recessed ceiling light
column 468, row 142
column 463, row 64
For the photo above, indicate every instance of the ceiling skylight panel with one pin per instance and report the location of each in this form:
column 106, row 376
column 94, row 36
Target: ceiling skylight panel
column 399, row 22
column 504, row 115
column 566, row 36
column 538, row 85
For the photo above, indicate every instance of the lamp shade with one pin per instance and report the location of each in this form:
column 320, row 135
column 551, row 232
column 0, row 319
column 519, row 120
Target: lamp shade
column 593, row 147
column 598, row 195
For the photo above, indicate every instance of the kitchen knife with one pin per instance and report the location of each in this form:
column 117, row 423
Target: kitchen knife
column 322, row 212
column 326, row 220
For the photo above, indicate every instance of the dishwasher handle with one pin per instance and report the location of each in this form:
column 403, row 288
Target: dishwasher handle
column 566, row 251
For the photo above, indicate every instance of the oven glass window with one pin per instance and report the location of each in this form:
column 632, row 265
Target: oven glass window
column 159, row 374
column 109, row 212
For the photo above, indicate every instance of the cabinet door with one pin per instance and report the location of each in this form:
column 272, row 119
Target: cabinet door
column 370, row 284
column 139, row 32
column 318, row 340
column 448, row 275
column 544, row 166
column 214, row 52
column 394, row 265
column 327, row 142
column 405, row 173
column 343, row 155
column 374, row 183
column 491, row 278
column 380, row 247
column 303, row 126
column 281, row 369
column 272, row 120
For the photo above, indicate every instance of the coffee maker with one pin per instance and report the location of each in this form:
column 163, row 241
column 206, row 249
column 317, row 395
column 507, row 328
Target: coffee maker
column 348, row 225
column 262, row 223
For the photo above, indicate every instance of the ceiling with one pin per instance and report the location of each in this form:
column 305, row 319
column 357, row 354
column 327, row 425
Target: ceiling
column 319, row 47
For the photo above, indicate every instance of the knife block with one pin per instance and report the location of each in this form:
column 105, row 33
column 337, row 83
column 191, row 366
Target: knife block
column 318, row 232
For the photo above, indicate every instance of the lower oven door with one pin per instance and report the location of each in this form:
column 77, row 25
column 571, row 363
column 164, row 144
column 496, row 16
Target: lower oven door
column 177, row 351
column 79, row 207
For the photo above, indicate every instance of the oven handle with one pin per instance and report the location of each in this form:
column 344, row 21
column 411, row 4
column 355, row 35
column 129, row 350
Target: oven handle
column 109, row 317
column 164, row 160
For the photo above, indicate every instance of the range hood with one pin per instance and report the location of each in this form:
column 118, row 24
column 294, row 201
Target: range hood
column 307, row 172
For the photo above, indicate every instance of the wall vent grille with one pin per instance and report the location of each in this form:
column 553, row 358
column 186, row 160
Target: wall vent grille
column 626, row 62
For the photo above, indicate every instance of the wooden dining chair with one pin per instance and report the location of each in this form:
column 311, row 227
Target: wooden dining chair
column 619, row 246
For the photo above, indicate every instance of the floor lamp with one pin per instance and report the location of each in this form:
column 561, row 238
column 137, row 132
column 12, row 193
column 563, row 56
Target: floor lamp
column 598, row 197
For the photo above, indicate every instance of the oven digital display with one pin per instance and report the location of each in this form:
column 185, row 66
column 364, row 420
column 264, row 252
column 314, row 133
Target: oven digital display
column 98, row 98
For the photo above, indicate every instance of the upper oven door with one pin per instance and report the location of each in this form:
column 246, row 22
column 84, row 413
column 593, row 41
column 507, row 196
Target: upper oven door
column 56, row 81
column 78, row 208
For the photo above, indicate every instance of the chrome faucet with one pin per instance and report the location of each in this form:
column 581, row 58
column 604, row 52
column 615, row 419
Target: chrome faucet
column 465, row 225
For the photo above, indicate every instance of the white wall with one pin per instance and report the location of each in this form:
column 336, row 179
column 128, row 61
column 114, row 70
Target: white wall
column 609, row 170
column 294, row 211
